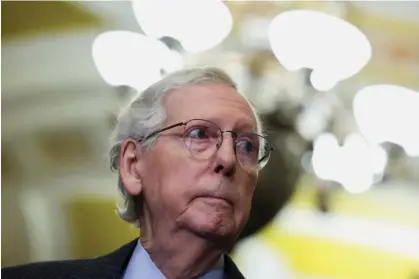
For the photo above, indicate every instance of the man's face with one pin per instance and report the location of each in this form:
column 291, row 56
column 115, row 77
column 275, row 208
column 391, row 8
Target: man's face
column 210, row 197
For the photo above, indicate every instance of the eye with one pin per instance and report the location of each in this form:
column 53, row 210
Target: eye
column 245, row 145
column 198, row 133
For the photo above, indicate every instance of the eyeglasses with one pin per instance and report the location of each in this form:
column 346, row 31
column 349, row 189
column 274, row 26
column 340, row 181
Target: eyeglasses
column 203, row 138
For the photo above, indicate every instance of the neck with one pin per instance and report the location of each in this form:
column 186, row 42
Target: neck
column 181, row 254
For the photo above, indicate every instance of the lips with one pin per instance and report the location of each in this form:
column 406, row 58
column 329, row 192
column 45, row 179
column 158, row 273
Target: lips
column 216, row 197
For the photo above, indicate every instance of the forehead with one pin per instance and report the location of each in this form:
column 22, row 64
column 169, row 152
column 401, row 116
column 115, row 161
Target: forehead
column 218, row 102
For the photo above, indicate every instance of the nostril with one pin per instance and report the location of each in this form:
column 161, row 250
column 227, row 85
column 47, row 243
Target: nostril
column 219, row 168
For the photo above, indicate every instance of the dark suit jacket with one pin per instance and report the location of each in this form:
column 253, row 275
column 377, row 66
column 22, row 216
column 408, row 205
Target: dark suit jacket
column 111, row 266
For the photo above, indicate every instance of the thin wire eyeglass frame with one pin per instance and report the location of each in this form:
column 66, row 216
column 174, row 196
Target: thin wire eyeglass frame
column 267, row 147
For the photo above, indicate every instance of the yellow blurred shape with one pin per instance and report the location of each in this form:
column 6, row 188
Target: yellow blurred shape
column 330, row 258
column 95, row 226
column 313, row 255
column 375, row 205
column 22, row 18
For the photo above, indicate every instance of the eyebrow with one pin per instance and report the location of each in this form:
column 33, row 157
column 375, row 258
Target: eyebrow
column 244, row 126
column 241, row 125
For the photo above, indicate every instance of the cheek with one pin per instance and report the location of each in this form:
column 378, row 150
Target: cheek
column 250, row 184
column 246, row 195
column 178, row 182
column 171, row 177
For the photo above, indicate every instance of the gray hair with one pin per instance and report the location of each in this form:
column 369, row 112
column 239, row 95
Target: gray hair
column 146, row 114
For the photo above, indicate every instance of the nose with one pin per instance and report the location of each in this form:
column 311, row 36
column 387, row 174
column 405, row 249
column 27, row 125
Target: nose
column 225, row 161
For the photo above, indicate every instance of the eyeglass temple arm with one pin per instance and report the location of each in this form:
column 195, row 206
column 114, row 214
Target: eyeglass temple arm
column 164, row 129
column 271, row 148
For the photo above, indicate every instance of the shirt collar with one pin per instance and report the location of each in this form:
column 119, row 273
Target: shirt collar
column 141, row 266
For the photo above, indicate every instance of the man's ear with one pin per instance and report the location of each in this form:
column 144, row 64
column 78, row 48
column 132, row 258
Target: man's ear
column 129, row 167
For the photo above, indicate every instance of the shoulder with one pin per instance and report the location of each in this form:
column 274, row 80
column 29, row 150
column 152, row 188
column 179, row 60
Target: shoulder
column 110, row 266
column 43, row 269
column 83, row 268
column 231, row 270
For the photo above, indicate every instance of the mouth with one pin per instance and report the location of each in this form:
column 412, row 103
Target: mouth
column 216, row 199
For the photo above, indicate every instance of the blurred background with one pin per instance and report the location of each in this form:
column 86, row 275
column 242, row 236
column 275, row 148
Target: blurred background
column 337, row 84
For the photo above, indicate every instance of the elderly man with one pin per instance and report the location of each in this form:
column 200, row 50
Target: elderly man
column 188, row 151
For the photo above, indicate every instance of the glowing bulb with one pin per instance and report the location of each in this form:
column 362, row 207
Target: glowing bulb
column 197, row 25
column 128, row 58
column 354, row 164
column 332, row 47
column 389, row 113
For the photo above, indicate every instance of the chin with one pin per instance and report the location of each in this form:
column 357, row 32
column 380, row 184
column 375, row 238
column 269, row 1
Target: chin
column 211, row 221
column 224, row 241
column 216, row 232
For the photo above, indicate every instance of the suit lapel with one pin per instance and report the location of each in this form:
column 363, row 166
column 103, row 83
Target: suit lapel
column 231, row 270
column 115, row 263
